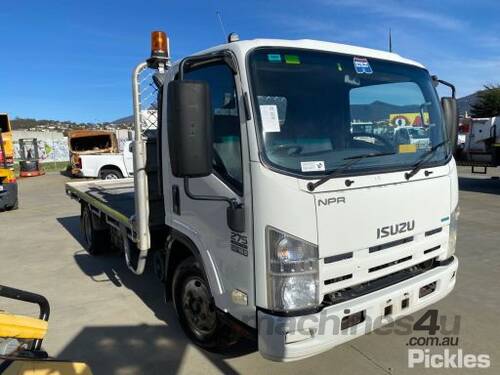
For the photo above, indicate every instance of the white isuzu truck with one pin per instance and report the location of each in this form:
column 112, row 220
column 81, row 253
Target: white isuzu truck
column 264, row 212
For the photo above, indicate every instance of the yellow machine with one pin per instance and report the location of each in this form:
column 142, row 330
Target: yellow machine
column 21, row 341
column 8, row 184
column 6, row 135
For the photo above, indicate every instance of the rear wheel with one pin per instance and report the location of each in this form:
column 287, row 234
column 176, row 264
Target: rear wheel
column 110, row 174
column 196, row 310
column 95, row 241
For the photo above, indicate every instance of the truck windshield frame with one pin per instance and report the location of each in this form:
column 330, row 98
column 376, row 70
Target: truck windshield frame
column 313, row 109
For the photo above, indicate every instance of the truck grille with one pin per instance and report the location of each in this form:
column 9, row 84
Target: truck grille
column 348, row 269
column 390, row 244
column 355, row 291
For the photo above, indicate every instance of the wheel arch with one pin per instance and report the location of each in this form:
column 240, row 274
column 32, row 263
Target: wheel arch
column 177, row 248
column 113, row 167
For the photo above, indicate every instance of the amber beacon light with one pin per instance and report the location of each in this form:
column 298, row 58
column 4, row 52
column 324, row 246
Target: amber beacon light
column 159, row 43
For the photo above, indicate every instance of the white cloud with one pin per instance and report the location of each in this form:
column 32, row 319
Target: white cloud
column 400, row 10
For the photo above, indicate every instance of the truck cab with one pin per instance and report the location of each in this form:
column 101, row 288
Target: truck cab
column 277, row 216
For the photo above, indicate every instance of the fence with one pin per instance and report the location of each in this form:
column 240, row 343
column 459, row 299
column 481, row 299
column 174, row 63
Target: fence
column 53, row 146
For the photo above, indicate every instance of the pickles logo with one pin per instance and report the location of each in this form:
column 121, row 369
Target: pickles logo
column 391, row 230
column 447, row 359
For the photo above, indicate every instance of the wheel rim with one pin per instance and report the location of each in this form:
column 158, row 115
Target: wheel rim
column 111, row 176
column 87, row 228
column 198, row 308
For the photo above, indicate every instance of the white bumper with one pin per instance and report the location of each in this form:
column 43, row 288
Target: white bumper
column 321, row 331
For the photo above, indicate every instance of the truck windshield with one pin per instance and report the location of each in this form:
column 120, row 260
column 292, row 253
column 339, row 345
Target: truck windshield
column 315, row 109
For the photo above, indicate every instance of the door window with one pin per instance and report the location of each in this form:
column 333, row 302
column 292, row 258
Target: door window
column 227, row 135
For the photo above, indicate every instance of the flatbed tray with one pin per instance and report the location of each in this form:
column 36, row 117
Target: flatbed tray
column 113, row 197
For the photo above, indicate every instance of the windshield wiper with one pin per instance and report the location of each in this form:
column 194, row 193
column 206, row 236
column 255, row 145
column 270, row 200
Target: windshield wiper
column 311, row 186
column 424, row 159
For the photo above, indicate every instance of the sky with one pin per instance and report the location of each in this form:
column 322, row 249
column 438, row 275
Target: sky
column 72, row 59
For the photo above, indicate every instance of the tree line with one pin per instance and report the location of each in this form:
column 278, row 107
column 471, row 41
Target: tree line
column 487, row 103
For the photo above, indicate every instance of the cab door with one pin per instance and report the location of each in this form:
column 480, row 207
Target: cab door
column 228, row 254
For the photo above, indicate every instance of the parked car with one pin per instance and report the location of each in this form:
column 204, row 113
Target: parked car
column 107, row 166
column 413, row 135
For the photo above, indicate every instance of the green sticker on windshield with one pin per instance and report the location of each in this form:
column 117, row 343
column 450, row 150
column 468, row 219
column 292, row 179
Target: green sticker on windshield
column 274, row 57
column 292, row 59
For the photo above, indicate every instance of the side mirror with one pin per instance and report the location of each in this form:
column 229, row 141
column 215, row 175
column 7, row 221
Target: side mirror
column 450, row 113
column 189, row 124
column 236, row 218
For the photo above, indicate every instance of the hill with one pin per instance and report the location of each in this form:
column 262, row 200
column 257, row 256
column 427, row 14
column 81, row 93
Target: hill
column 465, row 103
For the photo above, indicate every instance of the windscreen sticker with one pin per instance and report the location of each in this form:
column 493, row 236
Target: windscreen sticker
column 312, row 166
column 274, row 57
column 354, row 81
column 279, row 101
column 292, row 59
column 362, row 66
column 339, row 67
column 270, row 119
column 407, row 149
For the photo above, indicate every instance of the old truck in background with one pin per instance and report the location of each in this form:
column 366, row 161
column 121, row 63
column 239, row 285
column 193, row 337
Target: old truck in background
column 479, row 143
column 89, row 142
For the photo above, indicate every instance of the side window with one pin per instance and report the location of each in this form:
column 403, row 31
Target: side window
column 227, row 135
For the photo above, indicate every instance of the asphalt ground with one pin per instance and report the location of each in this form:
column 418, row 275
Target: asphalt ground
column 118, row 323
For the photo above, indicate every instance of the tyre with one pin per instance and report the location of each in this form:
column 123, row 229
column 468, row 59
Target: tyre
column 110, row 174
column 195, row 308
column 95, row 241
column 15, row 206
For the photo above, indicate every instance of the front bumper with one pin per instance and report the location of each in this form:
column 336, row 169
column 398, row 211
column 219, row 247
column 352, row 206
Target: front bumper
column 298, row 337
column 8, row 196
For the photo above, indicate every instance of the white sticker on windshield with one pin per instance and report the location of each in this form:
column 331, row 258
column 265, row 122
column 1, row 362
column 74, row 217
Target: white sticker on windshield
column 312, row 166
column 270, row 120
column 352, row 80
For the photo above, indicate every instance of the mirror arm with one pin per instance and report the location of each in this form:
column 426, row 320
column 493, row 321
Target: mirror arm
column 446, row 83
column 230, row 201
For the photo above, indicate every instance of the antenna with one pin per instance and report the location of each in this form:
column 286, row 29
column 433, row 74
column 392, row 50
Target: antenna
column 223, row 29
column 390, row 40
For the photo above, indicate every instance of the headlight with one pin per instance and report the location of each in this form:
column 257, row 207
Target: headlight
column 452, row 239
column 292, row 272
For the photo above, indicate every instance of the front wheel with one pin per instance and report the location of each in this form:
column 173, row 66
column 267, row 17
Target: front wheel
column 196, row 310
